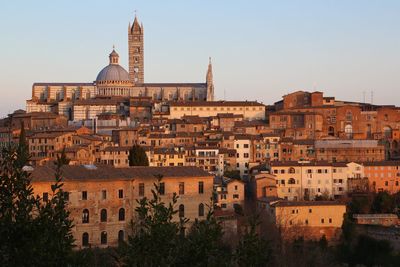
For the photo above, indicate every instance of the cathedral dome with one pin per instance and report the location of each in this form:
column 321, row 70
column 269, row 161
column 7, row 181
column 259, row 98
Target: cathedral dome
column 113, row 72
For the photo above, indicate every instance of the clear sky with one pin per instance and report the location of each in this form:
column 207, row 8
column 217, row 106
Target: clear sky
column 260, row 49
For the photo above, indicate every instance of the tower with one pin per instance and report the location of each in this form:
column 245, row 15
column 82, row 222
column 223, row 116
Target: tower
column 136, row 52
column 210, row 82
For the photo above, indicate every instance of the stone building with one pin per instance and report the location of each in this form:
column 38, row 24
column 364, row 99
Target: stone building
column 114, row 81
column 102, row 199
column 308, row 219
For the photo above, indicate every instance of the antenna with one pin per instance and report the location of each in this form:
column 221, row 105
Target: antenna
column 364, row 97
column 372, row 97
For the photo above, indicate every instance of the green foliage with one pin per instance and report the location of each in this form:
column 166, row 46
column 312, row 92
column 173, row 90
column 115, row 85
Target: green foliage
column 371, row 252
column 137, row 156
column 252, row 249
column 383, row 203
column 203, row 245
column 99, row 257
column 156, row 236
column 22, row 158
column 234, row 174
column 32, row 233
column 360, row 204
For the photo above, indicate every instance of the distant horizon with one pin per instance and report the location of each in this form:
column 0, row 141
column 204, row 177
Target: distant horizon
column 260, row 51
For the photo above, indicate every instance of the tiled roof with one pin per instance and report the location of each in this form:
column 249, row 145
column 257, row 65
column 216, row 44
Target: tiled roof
column 382, row 163
column 337, row 144
column 307, row 203
column 103, row 172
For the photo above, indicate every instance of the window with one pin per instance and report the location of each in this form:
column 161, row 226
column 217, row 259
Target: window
column 45, row 196
column 201, row 187
column 306, row 221
column 84, row 195
column 103, row 215
column 330, row 220
column 162, row 189
column 85, row 239
column 322, row 220
column 235, row 196
column 201, row 209
column 104, row 194
column 85, row 216
column 181, row 188
column 120, row 193
column 121, row 235
column 103, row 238
column 141, row 189
column 246, row 145
column 181, row 211
column 309, row 210
column 121, row 214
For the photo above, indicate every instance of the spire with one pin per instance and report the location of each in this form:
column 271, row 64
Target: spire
column 209, row 77
column 114, row 57
column 136, row 26
column 210, row 82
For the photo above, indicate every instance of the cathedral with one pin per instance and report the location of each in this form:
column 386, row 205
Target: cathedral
column 114, row 86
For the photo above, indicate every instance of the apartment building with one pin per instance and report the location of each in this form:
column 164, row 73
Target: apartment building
column 383, row 175
column 102, row 199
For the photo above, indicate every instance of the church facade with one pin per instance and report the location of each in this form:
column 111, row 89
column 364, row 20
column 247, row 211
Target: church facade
column 114, row 87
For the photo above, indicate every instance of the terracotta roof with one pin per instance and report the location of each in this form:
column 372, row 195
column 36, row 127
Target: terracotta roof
column 103, row 172
column 304, row 163
column 116, row 148
column 382, row 163
column 306, row 203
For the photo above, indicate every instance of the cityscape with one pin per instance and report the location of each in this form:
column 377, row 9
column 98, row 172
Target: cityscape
column 122, row 171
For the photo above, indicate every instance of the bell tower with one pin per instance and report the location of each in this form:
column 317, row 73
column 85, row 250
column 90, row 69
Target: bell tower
column 136, row 52
column 210, row 82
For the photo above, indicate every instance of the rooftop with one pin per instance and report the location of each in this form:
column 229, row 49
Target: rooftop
column 103, row 173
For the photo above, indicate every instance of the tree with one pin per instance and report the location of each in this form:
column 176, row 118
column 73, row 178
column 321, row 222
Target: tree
column 156, row 237
column 203, row 245
column 137, row 156
column 22, row 148
column 32, row 233
column 54, row 222
column 383, row 203
column 17, row 205
column 234, row 174
column 252, row 249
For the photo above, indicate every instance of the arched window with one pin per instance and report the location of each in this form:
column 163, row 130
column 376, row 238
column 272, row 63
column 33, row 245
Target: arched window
column 181, row 210
column 387, row 131
column 349, row 115
column 348, row 130
column 292, row 181
column 103, row 238
column 85, row 239
column 121, row 214
column 292, row 170
column 85, row 216
column 103, row 215
column 201, row 209
column 121, row 236
column 331, row 131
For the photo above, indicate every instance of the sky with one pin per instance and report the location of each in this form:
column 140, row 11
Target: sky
column 261, row 50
